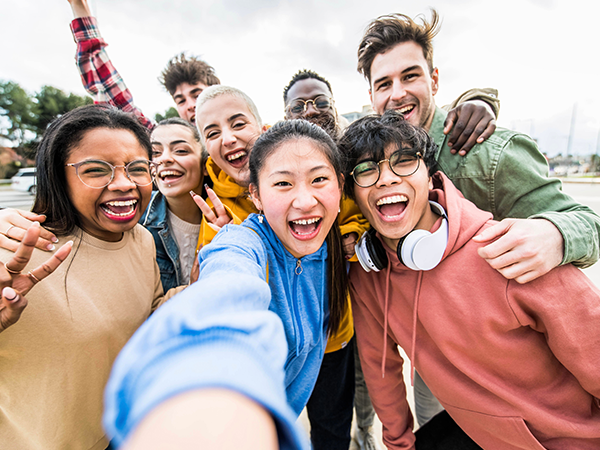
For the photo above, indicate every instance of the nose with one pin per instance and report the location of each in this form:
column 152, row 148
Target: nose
column 386, row 176
column 165, row 157
column 228, row 137
column 311, row 110
column 398, row 91
column 121, row 181
column 304, row 200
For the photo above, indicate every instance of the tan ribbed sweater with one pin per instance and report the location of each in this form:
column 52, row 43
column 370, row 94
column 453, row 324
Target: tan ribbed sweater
column 55, row 361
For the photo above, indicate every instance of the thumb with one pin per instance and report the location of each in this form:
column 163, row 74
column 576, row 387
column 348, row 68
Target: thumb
column 493, row 232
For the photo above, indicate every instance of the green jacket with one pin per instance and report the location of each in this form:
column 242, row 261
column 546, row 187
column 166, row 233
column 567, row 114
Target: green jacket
column 508, row 176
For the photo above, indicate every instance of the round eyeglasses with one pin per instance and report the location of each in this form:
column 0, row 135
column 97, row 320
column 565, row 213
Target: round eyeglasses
column 321, row 103
column 403, row 164
column 97, row 174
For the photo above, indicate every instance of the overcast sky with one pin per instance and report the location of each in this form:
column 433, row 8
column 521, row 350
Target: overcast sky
column 542, row 55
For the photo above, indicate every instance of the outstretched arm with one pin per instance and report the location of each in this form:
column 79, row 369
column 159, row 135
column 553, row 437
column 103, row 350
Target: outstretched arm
column 471, row 119
column 100, row 78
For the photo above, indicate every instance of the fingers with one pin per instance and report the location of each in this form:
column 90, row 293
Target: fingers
column 11, row 307
column 348, row 244
column 23, row 253
column 451, row 119
column 51, row 264
column 13, row 225
column 207, row 211
column 487, row 132
column 494, row 232
column 463, row 136
column 218, row 206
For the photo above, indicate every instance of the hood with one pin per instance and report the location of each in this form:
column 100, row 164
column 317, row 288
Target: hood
column 223, row 185
column 465, row 220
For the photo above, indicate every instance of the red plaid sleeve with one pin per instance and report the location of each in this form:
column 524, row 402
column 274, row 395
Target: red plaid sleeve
column 100, row 78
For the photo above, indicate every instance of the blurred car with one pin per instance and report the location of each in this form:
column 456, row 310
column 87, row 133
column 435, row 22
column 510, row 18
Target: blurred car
column 25, row 180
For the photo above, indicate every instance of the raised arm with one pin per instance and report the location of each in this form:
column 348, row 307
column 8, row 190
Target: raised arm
column 100, row 78
column 471, row 119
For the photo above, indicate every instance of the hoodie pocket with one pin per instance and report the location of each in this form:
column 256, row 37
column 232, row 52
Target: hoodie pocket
column 489, row 431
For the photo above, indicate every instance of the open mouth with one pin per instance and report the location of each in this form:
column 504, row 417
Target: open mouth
column 169, row 176
column 238, row 158
column 121, row 210
column 406, row 110
column 305, row 228
column 392, row 206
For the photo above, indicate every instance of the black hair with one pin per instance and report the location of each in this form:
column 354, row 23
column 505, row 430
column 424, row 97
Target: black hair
column 61, row 136
column 304, row 75
column 266, row 145
column 368, row 137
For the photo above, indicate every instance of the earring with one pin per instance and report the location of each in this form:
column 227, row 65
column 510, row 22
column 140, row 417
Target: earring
column 260, row 216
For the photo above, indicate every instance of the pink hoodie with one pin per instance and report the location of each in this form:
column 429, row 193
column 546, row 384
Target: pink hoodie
column 516, row 366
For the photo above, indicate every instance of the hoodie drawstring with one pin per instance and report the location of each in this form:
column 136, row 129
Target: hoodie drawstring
column 414, row 333
column 385, row 317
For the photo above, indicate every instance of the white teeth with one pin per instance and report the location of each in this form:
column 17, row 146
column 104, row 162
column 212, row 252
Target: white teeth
column 392, row 199
column 169, row 173
column 405, row 109
column 236, row 155
column 306, row 221
column 122, row 203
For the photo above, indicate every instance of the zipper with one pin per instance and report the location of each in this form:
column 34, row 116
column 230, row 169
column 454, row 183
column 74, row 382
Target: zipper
column 300, row 341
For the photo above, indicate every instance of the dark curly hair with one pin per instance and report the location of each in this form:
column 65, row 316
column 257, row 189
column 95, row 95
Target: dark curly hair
column 368, row 137
column 304, row 74
column 181, row 69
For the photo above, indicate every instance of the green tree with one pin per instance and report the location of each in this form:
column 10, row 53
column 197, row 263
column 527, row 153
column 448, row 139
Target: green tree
column 171, row 112
column 17, row 111
column 51, row 103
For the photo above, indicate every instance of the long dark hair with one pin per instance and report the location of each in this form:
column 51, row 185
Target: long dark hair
column 265, row 145
column 62, row 135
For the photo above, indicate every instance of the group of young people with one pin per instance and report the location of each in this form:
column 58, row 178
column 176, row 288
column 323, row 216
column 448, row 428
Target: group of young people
column 258, row 235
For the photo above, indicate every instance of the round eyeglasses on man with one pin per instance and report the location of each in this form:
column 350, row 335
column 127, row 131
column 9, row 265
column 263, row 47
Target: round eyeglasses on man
column 97, row 174
column 321, row 103
column 401, row 162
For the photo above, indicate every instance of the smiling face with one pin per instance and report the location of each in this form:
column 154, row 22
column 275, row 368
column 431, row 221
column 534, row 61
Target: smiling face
column 299, row 193
column 185, row 100
column 311, row 89
column 395, row 205
column 401, row 80
column 108, row 212
column 179, row 158
column 229, row 130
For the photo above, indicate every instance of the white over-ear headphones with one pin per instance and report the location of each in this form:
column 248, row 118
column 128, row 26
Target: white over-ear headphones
column 418, row 250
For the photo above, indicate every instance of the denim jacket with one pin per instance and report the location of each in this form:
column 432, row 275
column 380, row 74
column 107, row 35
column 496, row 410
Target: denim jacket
column 155, row 220
column 508, row 176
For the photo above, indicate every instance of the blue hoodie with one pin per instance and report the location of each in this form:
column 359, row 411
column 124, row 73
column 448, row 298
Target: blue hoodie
column 299, row 295
column 226, row 331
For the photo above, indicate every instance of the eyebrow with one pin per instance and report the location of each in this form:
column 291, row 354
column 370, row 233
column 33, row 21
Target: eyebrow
column 408, row 69
column 229, row 119
column 193, row 91
column 288, row 172
column 178, row 141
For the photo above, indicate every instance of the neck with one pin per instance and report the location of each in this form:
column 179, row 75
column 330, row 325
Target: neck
column 429, row 121
column 185, row 208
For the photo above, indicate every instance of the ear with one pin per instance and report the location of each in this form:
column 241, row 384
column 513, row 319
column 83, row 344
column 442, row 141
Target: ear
column 435, row 77
column 371, row 97
column 430, row 183
column 255, row 197
column 265, row 128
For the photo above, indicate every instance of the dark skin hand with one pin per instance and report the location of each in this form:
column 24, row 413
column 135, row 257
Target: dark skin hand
column 471, row 123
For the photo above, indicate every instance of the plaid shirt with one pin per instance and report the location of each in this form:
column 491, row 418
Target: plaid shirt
column 100, row 78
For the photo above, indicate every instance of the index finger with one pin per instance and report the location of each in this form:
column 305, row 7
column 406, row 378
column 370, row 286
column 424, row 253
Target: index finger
column 207, row 211
column 23, row 254
column 217, row 203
